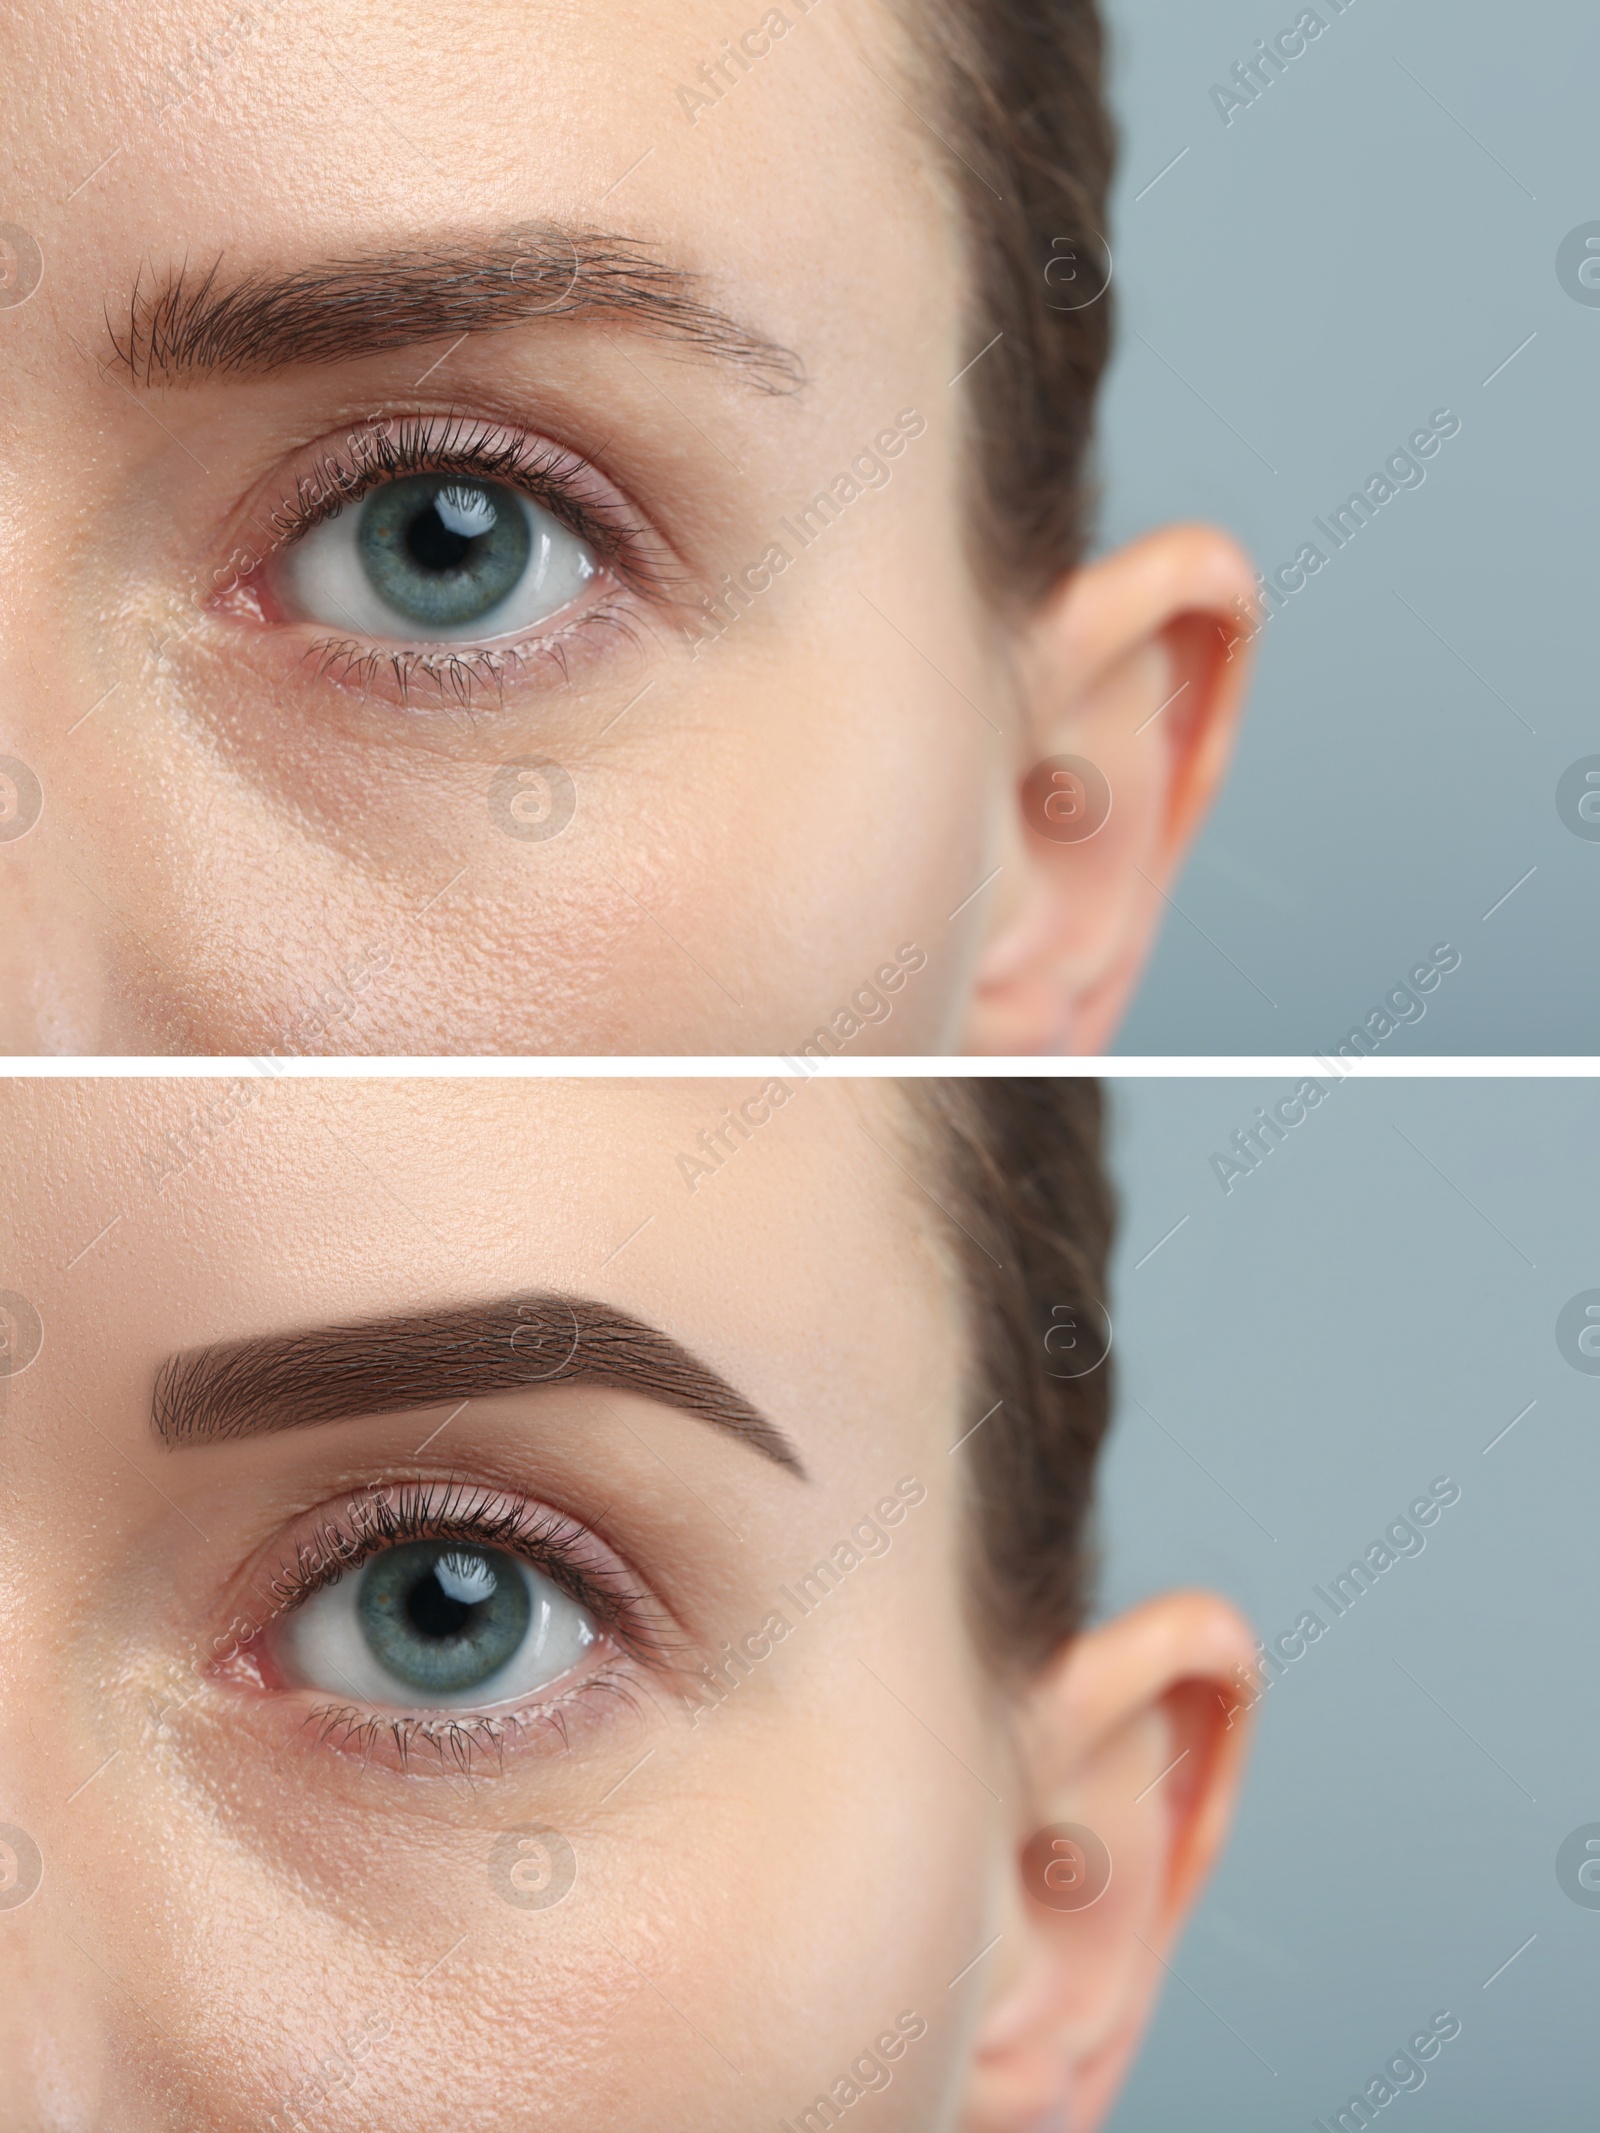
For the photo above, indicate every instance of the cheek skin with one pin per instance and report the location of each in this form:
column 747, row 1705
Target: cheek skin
column 328, row 890
column 786, row 886
column 808, row 1847
column 736, row 1915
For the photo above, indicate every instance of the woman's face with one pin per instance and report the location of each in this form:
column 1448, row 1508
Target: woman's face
column 256, row 814
column 359, row 684
column 482, row 1632
column 257, row 1878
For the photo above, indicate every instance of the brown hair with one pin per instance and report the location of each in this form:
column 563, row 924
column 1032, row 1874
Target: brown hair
column 1019, row 89
column 1021, row 1165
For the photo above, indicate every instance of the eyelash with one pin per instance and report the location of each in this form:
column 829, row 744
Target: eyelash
column 554, row 1545
column 553, row 477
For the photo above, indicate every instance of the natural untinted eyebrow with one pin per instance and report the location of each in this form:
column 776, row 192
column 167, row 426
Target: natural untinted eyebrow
column 192, row 325
column 380, row 1366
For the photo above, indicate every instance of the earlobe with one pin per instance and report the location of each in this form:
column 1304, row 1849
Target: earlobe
column 1132, row 1743
column 1132, row 676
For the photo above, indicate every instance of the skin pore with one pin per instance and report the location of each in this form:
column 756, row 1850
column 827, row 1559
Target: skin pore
column 268, row 1900
column 271, row 822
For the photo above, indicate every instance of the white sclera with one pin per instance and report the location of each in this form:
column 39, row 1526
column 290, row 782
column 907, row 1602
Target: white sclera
column 324, row 1646
column 322, row 578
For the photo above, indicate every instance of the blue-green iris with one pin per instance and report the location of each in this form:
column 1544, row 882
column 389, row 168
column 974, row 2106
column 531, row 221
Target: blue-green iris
column 443, row 1617
column 442, row 550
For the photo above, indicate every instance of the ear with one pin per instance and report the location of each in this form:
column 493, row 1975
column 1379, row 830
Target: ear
column 1136, row 667
column 1135, row 1737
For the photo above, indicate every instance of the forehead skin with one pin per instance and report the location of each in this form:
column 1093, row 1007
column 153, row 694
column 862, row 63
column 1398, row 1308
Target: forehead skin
column 759, row 1895
column 224, row 841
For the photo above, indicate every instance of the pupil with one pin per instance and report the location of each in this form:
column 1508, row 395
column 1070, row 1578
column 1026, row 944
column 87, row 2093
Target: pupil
column 444, row 553
column 433, row 1612
column 432, row 544
column 442, row 1618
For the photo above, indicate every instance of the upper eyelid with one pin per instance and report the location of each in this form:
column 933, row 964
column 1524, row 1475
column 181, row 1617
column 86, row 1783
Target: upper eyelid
column 450, row 451
column 328, row 476
column 455, row 1508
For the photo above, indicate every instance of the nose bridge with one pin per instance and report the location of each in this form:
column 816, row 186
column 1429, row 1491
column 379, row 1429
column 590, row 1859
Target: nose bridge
column 52, row 935
column 91, row 2036
column 69, row 785
column 58, row 2024
column 60, row 981
column 62, row 2031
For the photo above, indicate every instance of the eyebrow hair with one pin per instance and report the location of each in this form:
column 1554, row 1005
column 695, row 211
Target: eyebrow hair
column 279, row 1381
column 190, row 325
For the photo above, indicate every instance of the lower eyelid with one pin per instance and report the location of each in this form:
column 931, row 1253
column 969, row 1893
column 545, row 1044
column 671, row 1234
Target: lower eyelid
column 413, row 1744
column 445, row 680
column 609, row 1687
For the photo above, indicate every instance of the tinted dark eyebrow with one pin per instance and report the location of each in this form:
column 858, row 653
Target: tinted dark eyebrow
column 189, row 325
column 383, row 1366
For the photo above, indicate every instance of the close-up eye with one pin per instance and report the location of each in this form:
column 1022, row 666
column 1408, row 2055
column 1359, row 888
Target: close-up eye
column 436, row 556
column 436, row 1623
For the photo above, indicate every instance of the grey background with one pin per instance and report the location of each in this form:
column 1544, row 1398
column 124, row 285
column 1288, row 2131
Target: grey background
column 1367, row 1311
column 1319, row 276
